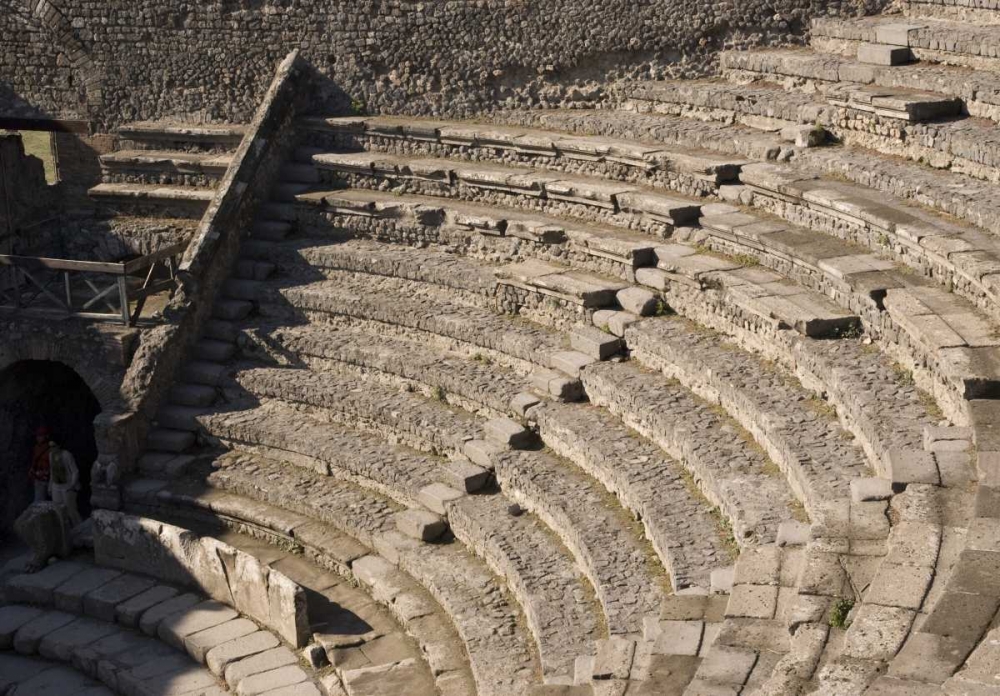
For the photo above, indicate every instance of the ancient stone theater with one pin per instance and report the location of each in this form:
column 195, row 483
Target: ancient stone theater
column 499, row 347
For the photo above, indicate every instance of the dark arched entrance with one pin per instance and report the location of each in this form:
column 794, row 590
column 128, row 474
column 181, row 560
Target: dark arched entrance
column 34, row 393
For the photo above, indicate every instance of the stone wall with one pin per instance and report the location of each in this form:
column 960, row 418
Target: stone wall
column 226, row 574
column 125, row 60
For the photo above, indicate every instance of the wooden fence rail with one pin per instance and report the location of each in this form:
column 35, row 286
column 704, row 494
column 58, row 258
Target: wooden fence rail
column 57, row 288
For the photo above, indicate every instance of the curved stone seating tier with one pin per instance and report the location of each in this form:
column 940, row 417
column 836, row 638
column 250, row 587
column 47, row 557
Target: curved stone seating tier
column 901, row 124
column 496, row 235
column 833, row 74
column 608, row 546
column 795, row 428
column 154, row 200
column 959, row 10
column 690, row 171
column 185, row 137
column 931, row 40
column 657, row 129
column 203, row 170
column 735, row 477
column 367, row 405
column 953, row 366
column 406, row 309
column 470, row 384
column 547, row 293
column 688, row 538
column 590, row 199
column 310, row 442
column 499, row 651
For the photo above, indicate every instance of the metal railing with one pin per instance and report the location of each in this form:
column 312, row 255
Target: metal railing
column 60, row 288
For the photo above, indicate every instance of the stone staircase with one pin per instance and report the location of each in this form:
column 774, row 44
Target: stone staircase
column 165, row 169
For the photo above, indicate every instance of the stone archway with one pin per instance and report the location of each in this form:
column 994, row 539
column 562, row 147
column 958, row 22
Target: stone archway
column 42, row 392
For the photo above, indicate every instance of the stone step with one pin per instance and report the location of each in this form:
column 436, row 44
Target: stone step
column 198, row 395
column 157, row 135
column 967, row 11
column 368, row 405
column 220, row 330
column 496, row 646
column 685, row 273
column 298, row 173
column 591, row 199
column 231, row 310
column 676, row 520
column 179, row 417
column 338, row 451
column 166, row 464
column 676, row 167
column 168, row 440
column 205, row 373
column 272, row 230
column 183, row 201
column 277, row 211
column 766, row 107
column 237, row 289
column 447, row 376
column 31, row 675
column 159, row 167
column 585, row 290
column 791, row 425
column 725, row 468
column 213, row 351
column 285, row 191
column 604, row 249
column 254, row 270
column 929, row 40
column 808, row 71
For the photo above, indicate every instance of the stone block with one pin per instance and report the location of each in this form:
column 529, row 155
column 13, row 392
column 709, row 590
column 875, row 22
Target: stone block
column 614, row 658
column 198, row 644
column 935, row 433
column 725, row 665
column 638, row 301
column 877, row 632
column 12, row 617
column 437, row 496
column 619, row 322
column 150, row 620
column 176, row 628
column 758, row 566
column 221, row 656
column 38, row 588
column 28, row 636
column 481, row 453
column 722, row 580
column 421, row 525
column 895, row 33
column 271, row 681
column 524, row 402
column 753, row 601
column 129, row 612
column 45, row 529
column 912, row 466
column 461, row 474
column 877, row 54
column 506, row 432
column 929, row 657
column 69, row 596
column 594, row 343
column 60, row 644
column 900, row 586
column 868, row 489
column 674, row 637
column 792, row 533
column 961, row 615
column 804, row 135
column 102, row 602
column 570, row 362
column 404, row 677
column 266, row 661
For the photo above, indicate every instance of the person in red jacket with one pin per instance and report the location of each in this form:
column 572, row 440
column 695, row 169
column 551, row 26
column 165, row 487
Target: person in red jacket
column 38, row 472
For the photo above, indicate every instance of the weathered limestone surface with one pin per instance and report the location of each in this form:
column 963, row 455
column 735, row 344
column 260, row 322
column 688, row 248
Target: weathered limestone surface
column 712, row 448
column 228, row 575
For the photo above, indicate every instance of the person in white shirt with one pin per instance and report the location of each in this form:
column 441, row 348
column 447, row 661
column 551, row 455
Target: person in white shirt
column 64, row 481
